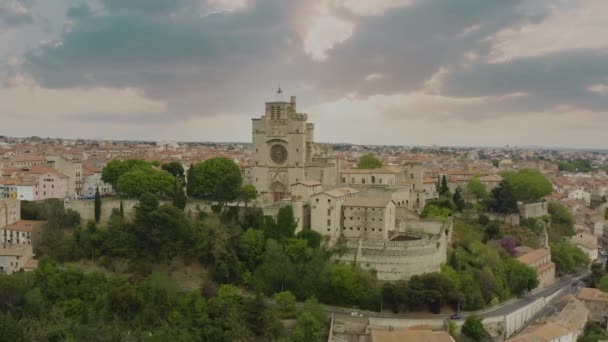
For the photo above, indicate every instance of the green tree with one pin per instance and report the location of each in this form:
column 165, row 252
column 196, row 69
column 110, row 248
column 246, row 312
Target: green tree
column 528, row 184
column 310, row 325
column 476, row 188
column 567, row 257
column 248, row 193
column 190, row 181
column 369, row 161
column 286, row 223
column 97, row 205
column 179, row 196
column 458, row 200
column 603, row 283
column 560, row 214
column 444, row 190
column 286, row 304
column 432, row 210
column 503, row 200
column 313, row 238
column 113, row 170
column 217, row 179
column 176, row 169
column 139, row 180
column 251, row 247
column 473, row 328
column 521, row 278
column 277, row 271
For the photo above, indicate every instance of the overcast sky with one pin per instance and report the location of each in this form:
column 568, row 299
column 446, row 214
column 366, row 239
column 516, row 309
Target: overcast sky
column 411, row 72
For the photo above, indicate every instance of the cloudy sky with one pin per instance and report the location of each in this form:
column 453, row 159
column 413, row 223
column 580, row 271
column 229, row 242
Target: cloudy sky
column 412, row 72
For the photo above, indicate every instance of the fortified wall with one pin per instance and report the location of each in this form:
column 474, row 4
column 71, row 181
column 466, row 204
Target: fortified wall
column 417, row 247
column 86, row 208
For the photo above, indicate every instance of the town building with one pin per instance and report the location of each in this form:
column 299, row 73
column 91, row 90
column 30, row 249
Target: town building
column 15, row 258
column 373, row 211
column 540, row 260
column 10, row 211
column 596, row 302
column 72, row 168
column 587, row 243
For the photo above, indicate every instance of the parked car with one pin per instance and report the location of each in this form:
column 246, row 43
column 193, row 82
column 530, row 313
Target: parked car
column 455, row 316
column 604, row 253
column 356, row 314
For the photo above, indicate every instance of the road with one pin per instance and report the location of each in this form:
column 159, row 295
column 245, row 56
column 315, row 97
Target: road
column 498, row 310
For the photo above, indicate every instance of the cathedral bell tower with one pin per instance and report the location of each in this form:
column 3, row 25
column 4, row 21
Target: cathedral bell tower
column 280, row 140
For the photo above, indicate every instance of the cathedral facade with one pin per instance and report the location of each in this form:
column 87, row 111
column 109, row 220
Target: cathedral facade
column 286, row 154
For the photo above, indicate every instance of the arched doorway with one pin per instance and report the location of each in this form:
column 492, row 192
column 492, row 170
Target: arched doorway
column 278, row 191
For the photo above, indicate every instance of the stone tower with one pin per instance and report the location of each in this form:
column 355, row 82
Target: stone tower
column 283, row 144
column 543, row 239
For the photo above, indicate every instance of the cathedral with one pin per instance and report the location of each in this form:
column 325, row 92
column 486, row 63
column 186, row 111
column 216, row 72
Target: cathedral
column 285, row 152
column 372, row 212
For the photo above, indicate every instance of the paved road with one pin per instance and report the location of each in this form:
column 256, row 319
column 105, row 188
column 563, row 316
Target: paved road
column 499, row 310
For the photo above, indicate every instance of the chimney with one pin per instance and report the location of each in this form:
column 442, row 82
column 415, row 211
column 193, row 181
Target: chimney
column 292, row 100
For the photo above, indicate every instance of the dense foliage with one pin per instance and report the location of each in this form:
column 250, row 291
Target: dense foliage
column 528, row 184
column 216, row 179
column 369, row 161
column 476, row 189
column 56, row 303
column 473, row 328
column 567, row 257
column 594, row 332
column 576, row 165
column 477, row 275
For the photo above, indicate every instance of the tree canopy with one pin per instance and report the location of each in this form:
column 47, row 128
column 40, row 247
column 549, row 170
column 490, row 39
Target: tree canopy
column 369, row 161
column 140, row 180
column 528, row 184
column 476, row 189
column 218, row 179
column 114, row 169
column 176, row 169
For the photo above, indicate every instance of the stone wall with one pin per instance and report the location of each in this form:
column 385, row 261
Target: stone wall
column 86, row 208
column 510, row 219
column 534, row 210
column 395, row 260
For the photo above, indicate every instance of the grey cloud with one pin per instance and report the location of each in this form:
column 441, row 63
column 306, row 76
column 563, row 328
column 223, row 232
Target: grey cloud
column 10, row 17
column 560, row 79
column 408, row 45
column 185, row 58
column 80, row 11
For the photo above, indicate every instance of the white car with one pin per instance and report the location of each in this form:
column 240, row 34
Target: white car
column 356, row 314
column 604, row 253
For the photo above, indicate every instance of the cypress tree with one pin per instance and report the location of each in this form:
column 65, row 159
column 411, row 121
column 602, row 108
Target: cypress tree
column 97, row 205
column 190, row 181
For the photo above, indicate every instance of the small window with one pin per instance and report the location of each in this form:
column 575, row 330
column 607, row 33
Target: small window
column 328, row 223
column 329, row 201
column 380, row 229
column 351, row 218
column 351, row 228
column 343, row 179
column 315, row 200
column 362, row 180
column 328, row 212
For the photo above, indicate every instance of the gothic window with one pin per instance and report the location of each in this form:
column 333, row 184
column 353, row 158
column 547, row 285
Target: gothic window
column 373, row 179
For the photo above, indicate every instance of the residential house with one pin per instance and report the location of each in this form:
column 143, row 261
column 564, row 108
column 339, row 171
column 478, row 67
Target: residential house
column 15, row 258
column 540, row 260
column 587, row 243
